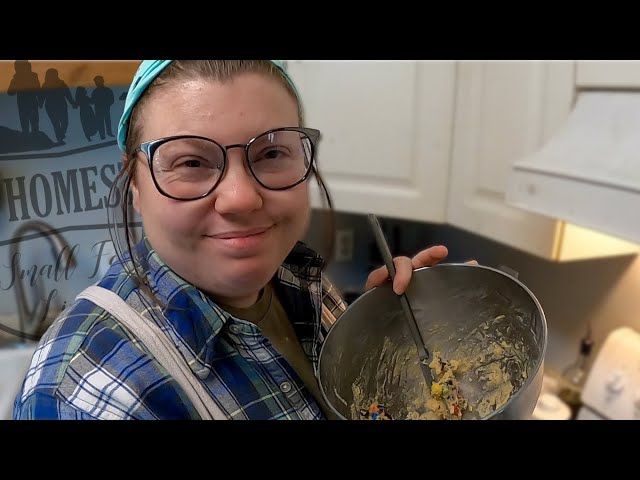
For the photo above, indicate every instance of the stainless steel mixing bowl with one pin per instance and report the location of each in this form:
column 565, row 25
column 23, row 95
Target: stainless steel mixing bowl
column 463, row 311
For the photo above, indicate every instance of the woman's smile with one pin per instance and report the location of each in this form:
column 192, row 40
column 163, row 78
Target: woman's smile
column 245, row 241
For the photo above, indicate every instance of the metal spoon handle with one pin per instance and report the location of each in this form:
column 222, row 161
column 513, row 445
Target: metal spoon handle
column 423, row 353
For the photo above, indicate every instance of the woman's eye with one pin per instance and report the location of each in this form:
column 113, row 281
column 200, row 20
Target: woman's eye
column 270, row 154
column 192, row 163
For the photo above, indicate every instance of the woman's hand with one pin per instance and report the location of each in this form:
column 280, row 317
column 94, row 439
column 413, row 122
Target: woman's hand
column 405, row 267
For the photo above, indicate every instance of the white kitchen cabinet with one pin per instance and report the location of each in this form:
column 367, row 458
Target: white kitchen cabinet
column 608, row 74
column 506, row 110
column 386, row 133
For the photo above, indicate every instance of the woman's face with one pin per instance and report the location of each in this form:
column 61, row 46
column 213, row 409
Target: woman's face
column 230, row 243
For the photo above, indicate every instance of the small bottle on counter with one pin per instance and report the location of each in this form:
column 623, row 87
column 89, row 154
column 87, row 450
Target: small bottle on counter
column 574, row 376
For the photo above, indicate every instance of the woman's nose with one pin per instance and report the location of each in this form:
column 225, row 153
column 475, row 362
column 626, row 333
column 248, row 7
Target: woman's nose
column 237, row 192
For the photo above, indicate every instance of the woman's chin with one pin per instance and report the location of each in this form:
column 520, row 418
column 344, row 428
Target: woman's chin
column 242, row 275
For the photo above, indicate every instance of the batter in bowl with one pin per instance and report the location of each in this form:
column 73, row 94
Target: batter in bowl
column 476, row 378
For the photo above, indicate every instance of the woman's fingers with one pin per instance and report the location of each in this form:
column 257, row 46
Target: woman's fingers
column 404, row 270
column 429, row 256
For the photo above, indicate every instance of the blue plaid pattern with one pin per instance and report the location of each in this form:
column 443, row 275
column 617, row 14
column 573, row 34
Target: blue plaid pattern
column 89, row 366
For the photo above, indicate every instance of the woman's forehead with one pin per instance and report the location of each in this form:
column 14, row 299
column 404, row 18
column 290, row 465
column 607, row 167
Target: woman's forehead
column 248, row 103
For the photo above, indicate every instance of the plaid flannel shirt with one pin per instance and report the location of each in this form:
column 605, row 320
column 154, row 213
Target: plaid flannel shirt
column 89, row 366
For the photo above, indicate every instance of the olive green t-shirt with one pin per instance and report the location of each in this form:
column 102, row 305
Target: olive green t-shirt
column 269, row 315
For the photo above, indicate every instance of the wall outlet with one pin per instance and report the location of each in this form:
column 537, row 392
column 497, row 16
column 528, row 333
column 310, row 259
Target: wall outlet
column 344, row 245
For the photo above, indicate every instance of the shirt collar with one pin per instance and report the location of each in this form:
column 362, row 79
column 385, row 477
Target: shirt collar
column 185, row 306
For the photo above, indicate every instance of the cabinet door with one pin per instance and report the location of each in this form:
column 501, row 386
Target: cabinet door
column 386, row 133
column 504, row 111
column 608, row 73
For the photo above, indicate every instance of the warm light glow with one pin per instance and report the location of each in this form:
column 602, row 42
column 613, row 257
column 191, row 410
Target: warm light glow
column 579, row 243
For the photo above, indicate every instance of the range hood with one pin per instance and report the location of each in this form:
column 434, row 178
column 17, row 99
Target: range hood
column 589, row 172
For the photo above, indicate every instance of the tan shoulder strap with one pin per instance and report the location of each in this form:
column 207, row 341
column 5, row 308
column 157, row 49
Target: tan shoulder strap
column 160, row 346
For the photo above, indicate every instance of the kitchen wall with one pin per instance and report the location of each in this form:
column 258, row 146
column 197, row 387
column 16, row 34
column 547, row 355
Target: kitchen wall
column 602, row 293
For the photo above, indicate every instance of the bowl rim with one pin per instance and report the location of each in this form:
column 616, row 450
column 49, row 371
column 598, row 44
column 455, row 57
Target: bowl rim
column 496, row 412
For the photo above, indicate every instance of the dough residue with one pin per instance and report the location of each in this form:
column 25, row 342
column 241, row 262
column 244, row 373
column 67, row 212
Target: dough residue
column 470, row 381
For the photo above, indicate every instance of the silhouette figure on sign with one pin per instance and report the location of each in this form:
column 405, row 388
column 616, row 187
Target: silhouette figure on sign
column 102, row 98
column 87, row 115
column 54, row 97
column 26, row 86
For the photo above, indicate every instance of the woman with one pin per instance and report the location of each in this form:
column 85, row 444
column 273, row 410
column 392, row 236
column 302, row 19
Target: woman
column 87, row 115
column 217, row 160
column 54, row 97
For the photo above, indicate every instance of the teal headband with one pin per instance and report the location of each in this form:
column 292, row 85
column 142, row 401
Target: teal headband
column 147, row 73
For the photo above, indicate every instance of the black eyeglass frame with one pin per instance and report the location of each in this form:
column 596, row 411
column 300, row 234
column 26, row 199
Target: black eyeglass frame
column 149, row 149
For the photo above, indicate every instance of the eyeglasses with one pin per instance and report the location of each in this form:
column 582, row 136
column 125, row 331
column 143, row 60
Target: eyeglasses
column 188, row 167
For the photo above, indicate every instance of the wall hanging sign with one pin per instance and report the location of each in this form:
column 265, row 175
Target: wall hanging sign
column 58, row 160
